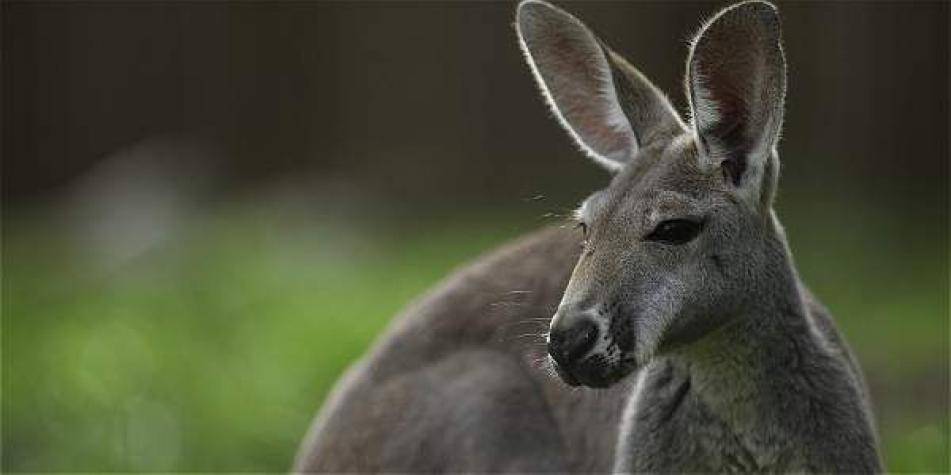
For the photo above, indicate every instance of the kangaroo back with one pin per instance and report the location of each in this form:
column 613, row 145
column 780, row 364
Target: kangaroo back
column 460, row 380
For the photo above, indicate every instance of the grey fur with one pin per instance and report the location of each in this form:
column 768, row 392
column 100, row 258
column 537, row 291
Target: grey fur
column 713, row 354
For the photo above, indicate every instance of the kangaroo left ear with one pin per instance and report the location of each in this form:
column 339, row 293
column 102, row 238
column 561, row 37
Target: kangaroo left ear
column 607, row 106
column 736, row 82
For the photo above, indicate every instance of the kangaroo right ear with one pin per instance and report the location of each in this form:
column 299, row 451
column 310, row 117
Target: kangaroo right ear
column 609, row 108
column 736, row 80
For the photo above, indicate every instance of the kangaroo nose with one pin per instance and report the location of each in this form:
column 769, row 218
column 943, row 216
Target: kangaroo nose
column 566, row 345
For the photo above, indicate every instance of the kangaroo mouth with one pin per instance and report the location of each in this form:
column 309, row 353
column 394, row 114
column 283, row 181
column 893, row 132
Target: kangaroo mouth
column 565, row 376
column 595, row 371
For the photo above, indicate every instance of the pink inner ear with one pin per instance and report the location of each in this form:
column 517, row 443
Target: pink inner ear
column 737, row 82
column 589, row 102
column 577, row 78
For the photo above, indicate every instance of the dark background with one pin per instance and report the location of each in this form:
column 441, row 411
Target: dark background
column 372, row 92
column 160, row 157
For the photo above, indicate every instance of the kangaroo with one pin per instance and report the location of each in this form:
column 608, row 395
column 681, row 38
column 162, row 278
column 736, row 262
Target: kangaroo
column 676, row 299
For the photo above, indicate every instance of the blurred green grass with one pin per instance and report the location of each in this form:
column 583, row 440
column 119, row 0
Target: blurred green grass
column 212, row 351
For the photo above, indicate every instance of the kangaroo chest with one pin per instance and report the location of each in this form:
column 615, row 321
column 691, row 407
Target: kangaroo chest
column 667, row 427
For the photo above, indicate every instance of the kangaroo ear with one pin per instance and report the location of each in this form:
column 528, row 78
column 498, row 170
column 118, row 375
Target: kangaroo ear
column 736, row 81
column 609, row 108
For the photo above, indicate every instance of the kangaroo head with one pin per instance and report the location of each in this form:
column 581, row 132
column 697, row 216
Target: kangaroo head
column 683, row 238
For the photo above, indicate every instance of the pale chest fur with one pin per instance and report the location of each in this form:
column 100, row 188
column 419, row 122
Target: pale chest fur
column 668, row 427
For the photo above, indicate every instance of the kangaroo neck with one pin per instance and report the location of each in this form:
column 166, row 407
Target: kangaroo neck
column 739, row 369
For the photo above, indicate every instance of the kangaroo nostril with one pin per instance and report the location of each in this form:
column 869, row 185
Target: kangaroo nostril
column 571, row 343
column 581, row 338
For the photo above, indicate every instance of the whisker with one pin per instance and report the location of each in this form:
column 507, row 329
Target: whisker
column 537, row 340
column 507, row 304
column 540, row 323
column 533, row 335
column 514, row 325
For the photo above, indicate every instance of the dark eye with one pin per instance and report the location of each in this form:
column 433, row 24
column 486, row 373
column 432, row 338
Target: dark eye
column 675, row 231
column 584, row 229
column 584, row 233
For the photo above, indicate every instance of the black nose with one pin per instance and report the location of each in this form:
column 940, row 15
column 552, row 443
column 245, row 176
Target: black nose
column 566, row 345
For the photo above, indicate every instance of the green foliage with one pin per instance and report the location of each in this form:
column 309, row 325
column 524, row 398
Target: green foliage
column 212, row 351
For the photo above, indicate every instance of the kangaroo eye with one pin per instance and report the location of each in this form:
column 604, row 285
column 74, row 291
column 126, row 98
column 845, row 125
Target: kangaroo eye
column 584, row 229
column 584, row 233
column 675, row 231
